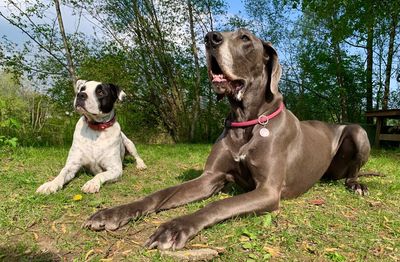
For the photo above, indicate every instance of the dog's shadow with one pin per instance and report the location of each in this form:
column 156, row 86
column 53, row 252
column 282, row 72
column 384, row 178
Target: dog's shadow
column 128, row 160
column 190, row 174
column 230, row 188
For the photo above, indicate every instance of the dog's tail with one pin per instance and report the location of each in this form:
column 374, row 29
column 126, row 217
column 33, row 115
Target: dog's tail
column 370, row 173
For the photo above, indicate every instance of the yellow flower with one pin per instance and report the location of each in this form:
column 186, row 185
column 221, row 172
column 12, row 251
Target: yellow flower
column 77, row 197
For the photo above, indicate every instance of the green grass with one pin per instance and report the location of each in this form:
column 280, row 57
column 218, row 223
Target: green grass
column 345, row 227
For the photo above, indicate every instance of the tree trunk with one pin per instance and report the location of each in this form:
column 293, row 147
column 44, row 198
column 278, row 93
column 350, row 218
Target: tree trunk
column 370, row 44
column 210, row 16
column 70, row 64
column 341, row 83
column 388, row 71
column 160, row 70
column 196, row 105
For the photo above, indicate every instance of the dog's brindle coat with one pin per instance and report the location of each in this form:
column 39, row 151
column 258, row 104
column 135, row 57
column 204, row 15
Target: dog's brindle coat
column 285, row 164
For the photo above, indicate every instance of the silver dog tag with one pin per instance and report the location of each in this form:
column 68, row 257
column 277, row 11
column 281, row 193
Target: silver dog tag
column 264, row 132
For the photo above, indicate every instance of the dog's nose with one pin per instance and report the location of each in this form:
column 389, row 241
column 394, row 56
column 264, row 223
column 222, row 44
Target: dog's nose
column 82, row 96
column 213, row 39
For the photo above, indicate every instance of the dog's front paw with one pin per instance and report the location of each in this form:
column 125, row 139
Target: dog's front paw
column 173, row 234
column 111, row 218
column 140, row 165
column 91, row 186
column 48, row 188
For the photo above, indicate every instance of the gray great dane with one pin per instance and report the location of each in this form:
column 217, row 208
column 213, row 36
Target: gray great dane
column 264, row 148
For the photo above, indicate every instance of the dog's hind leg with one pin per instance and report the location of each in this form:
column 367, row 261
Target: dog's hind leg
column 130, row 147
column 360, row 141
column 352, row 154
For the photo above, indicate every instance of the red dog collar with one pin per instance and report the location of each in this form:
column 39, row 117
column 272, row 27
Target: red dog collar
column 260, row 120
column 100, row 126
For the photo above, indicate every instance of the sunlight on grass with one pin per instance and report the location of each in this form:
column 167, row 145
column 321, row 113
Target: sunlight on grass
column 327, row 223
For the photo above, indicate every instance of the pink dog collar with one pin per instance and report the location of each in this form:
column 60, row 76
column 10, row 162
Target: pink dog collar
column 260, row 120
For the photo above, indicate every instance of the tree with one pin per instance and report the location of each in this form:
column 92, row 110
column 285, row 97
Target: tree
column 160, row 40
column 29, row 19
column 68, row 56
column 394, row 23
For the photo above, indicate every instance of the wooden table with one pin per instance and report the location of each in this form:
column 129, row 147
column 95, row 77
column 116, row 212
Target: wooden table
column 381, row 116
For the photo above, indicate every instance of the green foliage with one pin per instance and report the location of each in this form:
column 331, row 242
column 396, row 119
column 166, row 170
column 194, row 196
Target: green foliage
column 147, row 49
column 335, row 256
column 6, row 141
column 31, row 118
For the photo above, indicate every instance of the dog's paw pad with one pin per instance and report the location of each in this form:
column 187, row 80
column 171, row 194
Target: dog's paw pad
column 91, row 186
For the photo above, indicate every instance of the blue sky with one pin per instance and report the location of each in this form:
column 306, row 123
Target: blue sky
column 235, row 6
column 70, row 21
column 16, row 36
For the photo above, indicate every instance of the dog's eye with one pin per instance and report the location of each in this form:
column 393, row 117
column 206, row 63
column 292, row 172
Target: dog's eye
column 100, row 92
column 245, row 38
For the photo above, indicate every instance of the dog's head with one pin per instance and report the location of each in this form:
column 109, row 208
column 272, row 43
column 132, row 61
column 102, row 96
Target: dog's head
column 239, row 61
column 96, row 100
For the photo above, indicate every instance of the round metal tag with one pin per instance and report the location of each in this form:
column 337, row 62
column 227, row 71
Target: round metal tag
column 264, row 132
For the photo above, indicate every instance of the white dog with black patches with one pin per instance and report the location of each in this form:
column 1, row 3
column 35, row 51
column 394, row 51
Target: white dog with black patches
column 98, row 144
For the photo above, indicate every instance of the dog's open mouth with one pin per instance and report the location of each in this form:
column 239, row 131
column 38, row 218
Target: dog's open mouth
column 222, row 83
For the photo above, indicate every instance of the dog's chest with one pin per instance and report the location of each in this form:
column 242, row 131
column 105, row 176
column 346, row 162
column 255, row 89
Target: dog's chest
column 96, row 146
column 245, row 153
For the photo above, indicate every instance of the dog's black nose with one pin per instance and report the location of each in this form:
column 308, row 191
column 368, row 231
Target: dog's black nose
column 82, row 96
column 213, row 39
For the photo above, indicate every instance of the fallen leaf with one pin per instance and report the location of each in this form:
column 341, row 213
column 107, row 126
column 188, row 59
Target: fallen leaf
column 136, row 243
column 199, row 245
column 126, row 252
column 317, row 202
column 273, row 251
column 204, row 254
column 330, row 249
column 156, row 222
column 63, row 228
column 310, row 247
column 244, row 239
column 53, row 227
column 88, row 254
column 374, row 203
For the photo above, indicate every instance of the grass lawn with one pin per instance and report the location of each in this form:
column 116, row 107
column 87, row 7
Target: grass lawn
column 328, row 223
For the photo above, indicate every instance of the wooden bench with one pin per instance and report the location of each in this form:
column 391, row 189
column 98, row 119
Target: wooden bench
column 381, row 116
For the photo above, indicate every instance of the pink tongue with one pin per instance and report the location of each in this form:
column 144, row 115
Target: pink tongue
column 219, row 78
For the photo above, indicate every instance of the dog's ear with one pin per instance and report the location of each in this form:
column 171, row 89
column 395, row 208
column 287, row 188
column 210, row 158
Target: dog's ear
column 118, row 92
column 273, row 67
column 121, row 95
column 79, row 83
